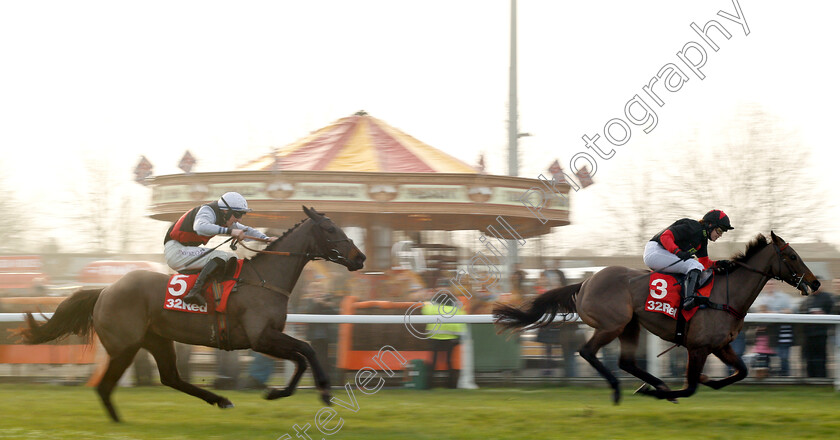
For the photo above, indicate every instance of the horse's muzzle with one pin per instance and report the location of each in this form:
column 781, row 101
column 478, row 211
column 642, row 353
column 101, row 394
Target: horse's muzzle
column 807, row 288
column 357, row 264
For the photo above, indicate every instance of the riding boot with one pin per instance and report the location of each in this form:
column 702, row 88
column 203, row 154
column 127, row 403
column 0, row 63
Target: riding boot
column 692, row 299
column 196, row 296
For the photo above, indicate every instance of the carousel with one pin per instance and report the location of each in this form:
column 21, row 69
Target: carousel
column 365, row 173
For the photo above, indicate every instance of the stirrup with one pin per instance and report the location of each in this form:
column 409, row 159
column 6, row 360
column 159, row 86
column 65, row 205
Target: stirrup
column 195, row 297
column 694, row 301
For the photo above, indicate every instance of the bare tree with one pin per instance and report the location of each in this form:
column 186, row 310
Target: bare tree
column 10, row 226
column 758, row 175
column 101, row 207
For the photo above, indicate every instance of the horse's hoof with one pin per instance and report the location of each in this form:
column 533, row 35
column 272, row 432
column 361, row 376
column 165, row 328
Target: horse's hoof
column 616, row 397
column 674, row 401
column 225, row 404
column 327, row 397
column 274, row 393
column 644, row 389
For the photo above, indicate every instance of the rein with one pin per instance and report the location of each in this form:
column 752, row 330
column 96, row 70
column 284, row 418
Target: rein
column 727, row 308
column 777, row 277
column 284, row 254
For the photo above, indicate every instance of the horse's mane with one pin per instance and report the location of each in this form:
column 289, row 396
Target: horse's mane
column 276, row 243
column 755, row 246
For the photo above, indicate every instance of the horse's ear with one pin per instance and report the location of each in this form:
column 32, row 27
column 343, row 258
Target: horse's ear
column 775, row 238
column 312, row 213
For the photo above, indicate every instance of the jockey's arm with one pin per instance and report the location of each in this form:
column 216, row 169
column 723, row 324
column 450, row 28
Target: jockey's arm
column 667, row 239
column 205, row 223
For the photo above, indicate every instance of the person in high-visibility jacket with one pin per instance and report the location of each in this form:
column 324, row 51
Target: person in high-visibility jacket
column 446, row 335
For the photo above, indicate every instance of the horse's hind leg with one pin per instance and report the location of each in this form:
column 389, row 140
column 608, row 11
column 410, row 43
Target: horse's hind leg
column 590, row 351
column 275, row 343
column 116, row 367
column 728, row 357
column 163, row 351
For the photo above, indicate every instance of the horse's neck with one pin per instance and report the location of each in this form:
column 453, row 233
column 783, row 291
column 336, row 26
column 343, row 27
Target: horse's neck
column 284, row 271
column 745, row 285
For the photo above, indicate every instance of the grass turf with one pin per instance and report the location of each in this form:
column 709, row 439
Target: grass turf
column 63, row 412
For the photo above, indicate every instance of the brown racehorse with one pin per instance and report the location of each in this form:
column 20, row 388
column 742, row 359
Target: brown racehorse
column 613, row 303
column 129, row 315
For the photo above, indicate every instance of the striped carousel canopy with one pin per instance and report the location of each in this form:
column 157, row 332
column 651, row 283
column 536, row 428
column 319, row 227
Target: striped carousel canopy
column 360, row 143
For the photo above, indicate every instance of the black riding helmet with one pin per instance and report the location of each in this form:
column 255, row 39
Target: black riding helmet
column 717, row 219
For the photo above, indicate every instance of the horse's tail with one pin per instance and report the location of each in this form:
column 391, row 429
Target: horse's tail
column 74, row 315
column 541, row 310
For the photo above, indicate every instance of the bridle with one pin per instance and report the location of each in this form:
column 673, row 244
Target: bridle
column 796, row 279
column 332, row 254
column 323, row 242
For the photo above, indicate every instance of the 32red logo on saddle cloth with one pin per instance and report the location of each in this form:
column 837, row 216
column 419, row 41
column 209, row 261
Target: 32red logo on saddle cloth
column 180, row 284
column 664, row 294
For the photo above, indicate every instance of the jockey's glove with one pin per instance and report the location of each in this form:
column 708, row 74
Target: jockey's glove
column 683, row 255
column 724, row 264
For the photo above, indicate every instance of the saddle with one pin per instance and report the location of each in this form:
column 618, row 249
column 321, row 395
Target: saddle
column 666, row 296
column 219, row 286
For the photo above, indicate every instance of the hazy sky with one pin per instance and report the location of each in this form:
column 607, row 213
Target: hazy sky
column 103, row 83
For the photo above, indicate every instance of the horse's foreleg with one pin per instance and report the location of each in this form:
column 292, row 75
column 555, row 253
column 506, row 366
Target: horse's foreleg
column 163, row 351
column 696, row 362
column 627, row 361
column 275, row 343
column 300, row 368
column 116, row 367
column 727, row 356
column 590, row 351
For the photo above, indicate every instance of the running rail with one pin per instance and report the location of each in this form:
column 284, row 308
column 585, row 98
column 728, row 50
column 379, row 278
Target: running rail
column 298, row 318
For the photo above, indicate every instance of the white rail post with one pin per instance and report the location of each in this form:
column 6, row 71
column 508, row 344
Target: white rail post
column 466, row 380
column 654, row 347
column 837, row 357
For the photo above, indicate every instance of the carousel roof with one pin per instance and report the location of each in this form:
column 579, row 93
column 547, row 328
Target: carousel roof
column 360, row 143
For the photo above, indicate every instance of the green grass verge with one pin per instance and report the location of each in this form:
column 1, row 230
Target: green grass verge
column 64, row 412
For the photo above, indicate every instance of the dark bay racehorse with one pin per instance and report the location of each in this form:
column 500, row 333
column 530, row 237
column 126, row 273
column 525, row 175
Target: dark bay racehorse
column 129, row 314
column 613, row 303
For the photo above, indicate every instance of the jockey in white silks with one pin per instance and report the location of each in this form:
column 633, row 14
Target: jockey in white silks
column 196, row 227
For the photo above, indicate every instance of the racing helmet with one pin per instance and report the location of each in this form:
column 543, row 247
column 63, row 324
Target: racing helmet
column 233, row 201
column 717, row 219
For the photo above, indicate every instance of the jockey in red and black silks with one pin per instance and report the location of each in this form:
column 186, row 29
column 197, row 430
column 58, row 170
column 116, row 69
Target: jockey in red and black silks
column 196, row 227
column 674, row 248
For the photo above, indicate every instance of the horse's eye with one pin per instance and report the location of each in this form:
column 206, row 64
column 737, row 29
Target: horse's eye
column 331, row 229
column 793, row 257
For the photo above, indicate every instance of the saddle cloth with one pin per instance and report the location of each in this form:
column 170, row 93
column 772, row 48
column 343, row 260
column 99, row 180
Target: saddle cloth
column 180, row 284
column 665, row 298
